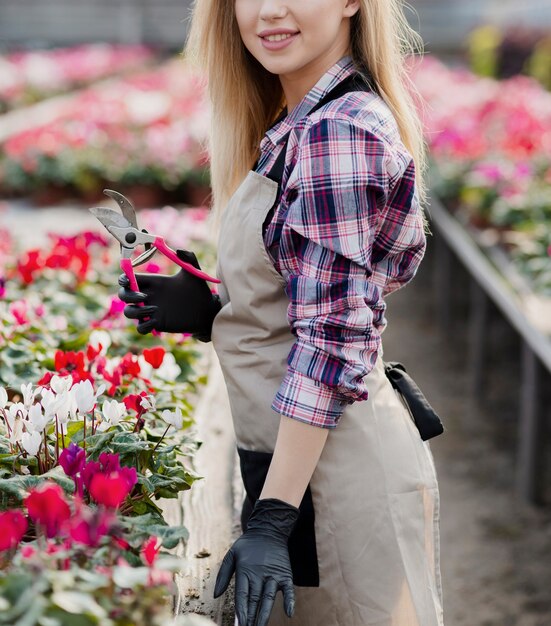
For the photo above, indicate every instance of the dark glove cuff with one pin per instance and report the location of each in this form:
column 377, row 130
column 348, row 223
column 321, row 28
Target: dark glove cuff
column 204, row 336
column 273, row 516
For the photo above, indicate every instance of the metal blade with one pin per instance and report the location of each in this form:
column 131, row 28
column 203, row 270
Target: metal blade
column 108, row 217
column 126, row 206
column 144, row 256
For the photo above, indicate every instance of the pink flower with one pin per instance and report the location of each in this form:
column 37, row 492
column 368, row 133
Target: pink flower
column 47, row 506
column 89, row 526
column 150, row 550
column 13, row 525
column 111, row 490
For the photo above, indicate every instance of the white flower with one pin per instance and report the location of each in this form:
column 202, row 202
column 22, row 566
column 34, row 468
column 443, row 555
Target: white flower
column 84, row 395
column 31, row 442
column 173, row 418
column 113, row 411
column 28, row 394
column 148, row 402
column 98, row 337
column 37, row 420
column 12, row 412
column 50, row 402
column 146, row 369
column 3, row 398
column 61, row 384
column 65, row 402
column 169, row 369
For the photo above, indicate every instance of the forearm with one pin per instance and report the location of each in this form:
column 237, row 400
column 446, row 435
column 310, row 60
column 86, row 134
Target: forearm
column 297, row 451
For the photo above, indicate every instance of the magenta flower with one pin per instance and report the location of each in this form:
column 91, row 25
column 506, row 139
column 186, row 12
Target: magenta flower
column 13, row 525
column 72, row 460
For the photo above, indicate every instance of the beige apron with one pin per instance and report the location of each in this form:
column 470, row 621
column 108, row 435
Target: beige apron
column 374, row 491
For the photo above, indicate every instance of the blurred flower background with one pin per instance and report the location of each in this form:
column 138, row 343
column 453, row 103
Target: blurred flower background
column 97, row 423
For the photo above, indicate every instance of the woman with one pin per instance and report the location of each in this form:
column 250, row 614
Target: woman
column 342, row 507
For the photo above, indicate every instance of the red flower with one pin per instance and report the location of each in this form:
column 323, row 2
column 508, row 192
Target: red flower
column 150, row 550
column 30, row 264
column 13, row 525
column 112, row 489
column 72, row 363
column 129, row 365
column 92, row 352
column 154, row 356
column 132, row 402
column 47, row 506
column 45, row 380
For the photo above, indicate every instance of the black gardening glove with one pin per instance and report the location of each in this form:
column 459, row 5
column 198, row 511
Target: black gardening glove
column 182, row 303
column 260, row 559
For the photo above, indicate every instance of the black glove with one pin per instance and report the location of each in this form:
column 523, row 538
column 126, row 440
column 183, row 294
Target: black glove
column 260, row 559
column 182, row 303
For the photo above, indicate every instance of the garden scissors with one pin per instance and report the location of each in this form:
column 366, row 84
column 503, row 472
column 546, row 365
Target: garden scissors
column 125, row 229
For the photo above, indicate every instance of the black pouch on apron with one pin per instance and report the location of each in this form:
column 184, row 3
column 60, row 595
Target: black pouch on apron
column 302, row 541
column 425, row 417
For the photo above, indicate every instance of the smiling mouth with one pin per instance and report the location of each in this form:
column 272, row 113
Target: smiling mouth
column 279, row 37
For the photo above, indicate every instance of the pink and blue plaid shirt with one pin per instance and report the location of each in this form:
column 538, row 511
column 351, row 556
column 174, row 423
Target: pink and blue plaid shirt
column 348, row 231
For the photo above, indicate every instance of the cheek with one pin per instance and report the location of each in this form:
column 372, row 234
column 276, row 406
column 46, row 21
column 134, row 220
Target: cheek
column 245, row 16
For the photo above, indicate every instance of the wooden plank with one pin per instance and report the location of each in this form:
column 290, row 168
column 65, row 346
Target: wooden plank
column 207, row 509
column 495, row 285
column 531, row 439
column 478, row 329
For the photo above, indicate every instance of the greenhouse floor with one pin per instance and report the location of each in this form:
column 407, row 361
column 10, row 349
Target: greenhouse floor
column 494, row 548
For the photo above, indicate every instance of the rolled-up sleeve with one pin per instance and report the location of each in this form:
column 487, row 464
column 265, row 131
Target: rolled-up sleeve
column 335, row 197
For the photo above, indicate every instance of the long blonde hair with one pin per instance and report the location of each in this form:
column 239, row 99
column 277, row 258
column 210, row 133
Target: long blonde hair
column 246, row 98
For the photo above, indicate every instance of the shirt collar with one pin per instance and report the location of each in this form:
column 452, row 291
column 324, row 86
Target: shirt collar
column 334, row 75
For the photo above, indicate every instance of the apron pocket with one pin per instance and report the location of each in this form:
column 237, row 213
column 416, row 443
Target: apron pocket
column 302, row 541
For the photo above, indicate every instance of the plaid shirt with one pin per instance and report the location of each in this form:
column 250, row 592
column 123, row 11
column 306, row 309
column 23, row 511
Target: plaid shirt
column 347, row 231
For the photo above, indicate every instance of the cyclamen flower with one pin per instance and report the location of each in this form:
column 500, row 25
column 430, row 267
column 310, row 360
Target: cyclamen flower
column 31, row 442
column 112, row 412
column 37, row 419
column 13, row 525
column 154, row 356
column 47, row 506
column 109, row 462
column 3, row 398
column 72, row 459
column 28, row 394
column 173, row 418
column 111, row 490
column 150, row 550
column 61, row 384
column 169, row 370
column 84, row 395
column 139, row 402
column 89, row 526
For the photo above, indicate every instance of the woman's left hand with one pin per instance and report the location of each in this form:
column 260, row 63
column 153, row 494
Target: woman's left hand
column 260, row 560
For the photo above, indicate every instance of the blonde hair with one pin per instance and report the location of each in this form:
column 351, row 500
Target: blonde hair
column 246, row 98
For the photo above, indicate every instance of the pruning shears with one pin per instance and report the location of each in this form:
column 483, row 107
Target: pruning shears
column 125, row 229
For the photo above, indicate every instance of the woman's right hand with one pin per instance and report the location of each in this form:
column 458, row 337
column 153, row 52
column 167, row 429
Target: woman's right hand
column 181, row 303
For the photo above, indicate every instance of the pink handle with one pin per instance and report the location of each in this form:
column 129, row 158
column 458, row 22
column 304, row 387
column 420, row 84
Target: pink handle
column 128, row 269
column 160, row 244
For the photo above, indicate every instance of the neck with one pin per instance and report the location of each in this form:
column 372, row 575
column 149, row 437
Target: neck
column 297, row 84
